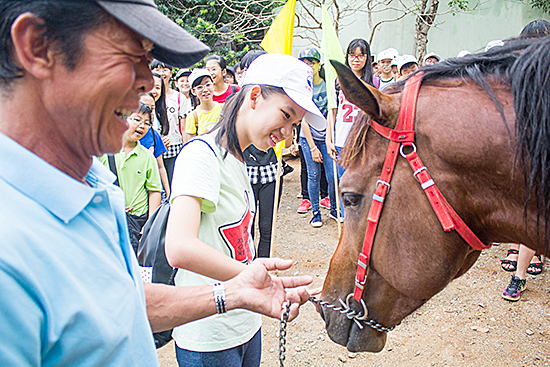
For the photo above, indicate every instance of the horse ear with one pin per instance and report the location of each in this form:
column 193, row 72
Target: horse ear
column 364, row 96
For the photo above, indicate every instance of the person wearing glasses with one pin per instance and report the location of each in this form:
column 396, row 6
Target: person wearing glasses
column 206, row 112
column 341, row 119
column 137, row 173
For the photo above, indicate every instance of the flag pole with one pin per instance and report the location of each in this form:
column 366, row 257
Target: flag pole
column 337, row 196
column 276, row 203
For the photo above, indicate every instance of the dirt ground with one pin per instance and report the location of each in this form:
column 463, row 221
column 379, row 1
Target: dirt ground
column 467, row 324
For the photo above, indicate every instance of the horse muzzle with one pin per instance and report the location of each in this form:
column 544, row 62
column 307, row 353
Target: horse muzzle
column 345, row 326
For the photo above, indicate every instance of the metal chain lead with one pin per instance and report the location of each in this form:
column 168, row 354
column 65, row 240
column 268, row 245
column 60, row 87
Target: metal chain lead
column 282, row 334
column 358, row 318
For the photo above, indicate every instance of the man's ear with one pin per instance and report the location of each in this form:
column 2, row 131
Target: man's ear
column 255, row 93
column 32, row 50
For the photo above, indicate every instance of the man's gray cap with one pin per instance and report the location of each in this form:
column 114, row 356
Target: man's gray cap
column 173, row 45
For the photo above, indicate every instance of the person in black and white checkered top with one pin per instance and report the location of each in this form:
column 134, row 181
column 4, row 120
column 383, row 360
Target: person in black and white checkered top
column 262, row 171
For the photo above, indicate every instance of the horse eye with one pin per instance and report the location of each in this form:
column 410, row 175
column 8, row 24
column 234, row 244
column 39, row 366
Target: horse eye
column 351, row 199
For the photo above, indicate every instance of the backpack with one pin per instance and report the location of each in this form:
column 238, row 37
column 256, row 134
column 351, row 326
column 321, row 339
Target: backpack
column 151, row 253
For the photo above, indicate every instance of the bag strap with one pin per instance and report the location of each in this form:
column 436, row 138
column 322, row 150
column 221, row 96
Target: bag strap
column 112, row 167
column 204, row 141
column 196, row 121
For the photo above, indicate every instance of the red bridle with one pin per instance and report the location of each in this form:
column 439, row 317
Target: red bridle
column 403, row 136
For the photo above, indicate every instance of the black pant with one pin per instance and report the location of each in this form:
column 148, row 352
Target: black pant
column 169, row 165
column 135, row 224
column 265, row 199
column 303, row 178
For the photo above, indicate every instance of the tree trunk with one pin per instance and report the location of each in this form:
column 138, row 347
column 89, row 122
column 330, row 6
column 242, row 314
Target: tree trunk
column 424, row 21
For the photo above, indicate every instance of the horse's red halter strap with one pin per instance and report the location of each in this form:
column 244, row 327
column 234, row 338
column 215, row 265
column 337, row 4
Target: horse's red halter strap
column 403, row 136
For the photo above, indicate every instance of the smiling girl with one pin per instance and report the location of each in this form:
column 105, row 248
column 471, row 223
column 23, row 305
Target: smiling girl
column 207, row 113
column 208, row 234
column 217, row 68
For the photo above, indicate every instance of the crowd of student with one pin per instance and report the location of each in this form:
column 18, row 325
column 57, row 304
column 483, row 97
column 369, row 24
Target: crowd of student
column 157, row 157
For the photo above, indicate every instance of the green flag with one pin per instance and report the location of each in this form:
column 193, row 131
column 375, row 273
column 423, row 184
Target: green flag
column 330, row 47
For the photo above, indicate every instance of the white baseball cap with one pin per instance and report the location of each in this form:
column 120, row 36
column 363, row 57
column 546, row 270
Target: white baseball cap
column 390, row 53
column 198, row 74
column 463, row 53
column 432, row 54
column 405, row 59
column 293, row 76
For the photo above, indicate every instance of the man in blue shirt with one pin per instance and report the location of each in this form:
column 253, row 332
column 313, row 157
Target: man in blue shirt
column 71, row 293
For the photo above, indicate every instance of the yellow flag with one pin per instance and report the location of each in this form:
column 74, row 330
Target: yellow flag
column 331, row 48
column 278, row 38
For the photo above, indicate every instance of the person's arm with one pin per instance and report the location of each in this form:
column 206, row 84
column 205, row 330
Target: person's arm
column 163, row 175
column 155, row 197
column 190, row 127
column 315, row 152
column 329, row 138
column 254, row 289
column 185, row 250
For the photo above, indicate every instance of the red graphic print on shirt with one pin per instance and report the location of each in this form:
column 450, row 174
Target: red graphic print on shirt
column 237, row 238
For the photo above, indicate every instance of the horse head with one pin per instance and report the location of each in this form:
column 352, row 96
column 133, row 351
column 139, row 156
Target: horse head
column 465, row 136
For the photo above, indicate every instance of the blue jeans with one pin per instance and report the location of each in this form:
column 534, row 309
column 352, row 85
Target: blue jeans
column 244, row 355
column 339, row 169
column 314, row 174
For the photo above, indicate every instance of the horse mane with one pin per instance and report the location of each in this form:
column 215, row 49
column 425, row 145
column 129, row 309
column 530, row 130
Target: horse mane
column 524, row 66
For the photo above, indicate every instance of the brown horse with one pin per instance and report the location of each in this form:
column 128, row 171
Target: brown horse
column 482, row 160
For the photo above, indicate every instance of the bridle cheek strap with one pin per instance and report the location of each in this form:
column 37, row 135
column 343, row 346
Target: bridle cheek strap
column 400, row 137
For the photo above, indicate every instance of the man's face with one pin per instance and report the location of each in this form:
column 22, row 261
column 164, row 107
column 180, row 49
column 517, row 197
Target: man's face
column 430, row 61
column 91, row 102
column 409, row 69
column 385, row 66
column 314, row 64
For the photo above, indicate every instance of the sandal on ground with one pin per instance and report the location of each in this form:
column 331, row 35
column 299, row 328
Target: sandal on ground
column 513, row 263
column 514, row 288
column 536, row 268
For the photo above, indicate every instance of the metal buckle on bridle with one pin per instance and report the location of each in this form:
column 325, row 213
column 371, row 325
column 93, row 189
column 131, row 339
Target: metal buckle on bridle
column 426, row 184
column 407, row 145
column 361, row 283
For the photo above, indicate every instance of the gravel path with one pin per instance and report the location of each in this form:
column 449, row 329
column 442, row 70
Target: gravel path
column 467, row 324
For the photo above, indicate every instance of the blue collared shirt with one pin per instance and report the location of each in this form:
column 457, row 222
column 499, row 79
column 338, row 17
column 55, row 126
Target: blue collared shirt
column 70, row 290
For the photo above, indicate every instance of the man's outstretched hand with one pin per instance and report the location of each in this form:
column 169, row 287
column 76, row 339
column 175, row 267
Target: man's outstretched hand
column 256, row 290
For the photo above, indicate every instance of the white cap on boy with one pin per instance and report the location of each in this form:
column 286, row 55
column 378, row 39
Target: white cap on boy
column 293, row 76
column 405, row 59
column 390, row 53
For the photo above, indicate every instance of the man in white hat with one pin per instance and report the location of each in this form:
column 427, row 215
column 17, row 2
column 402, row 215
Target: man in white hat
column 385, row 59
column 431, row 58
column 406, row 65
column 70, row 72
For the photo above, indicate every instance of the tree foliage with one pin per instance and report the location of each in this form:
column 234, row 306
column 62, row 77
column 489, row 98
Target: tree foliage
column 543, row 5
column 229, row 27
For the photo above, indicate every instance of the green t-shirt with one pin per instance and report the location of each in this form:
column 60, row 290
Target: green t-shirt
column 138, row 173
